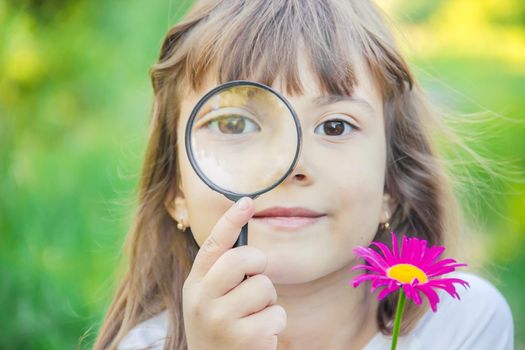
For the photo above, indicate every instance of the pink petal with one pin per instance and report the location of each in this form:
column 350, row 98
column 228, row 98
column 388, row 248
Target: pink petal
column 404, row 249
column 447, row 284
column 367, row 267
column 408, row 290
column 382, row 281
column 395, row 247
column 443, row 270
column 386, row 252
column 431, row 255
column 362, row 278
column 393, row 283
column 371, row 256
column 385, row 292
column 416, row 297
column 454, row 280
column 432, row 296
column 410, row 293
column 413, row 250
column 441, row 263
column 442, row 267
column 423, row 249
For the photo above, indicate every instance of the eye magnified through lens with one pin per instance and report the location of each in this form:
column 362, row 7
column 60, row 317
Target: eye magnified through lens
column 243, row 139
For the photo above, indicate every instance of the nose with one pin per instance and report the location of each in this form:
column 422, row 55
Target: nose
column 301, row 174
column 300, row 177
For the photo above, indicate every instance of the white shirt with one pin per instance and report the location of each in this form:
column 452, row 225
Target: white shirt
column 480, row 320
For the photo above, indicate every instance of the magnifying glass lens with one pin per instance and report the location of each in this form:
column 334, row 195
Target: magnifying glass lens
column 244, row 138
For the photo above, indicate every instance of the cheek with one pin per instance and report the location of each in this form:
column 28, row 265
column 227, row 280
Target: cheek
column 204, row 206
column 359, row 196
column 203, row 217
column 359, row 206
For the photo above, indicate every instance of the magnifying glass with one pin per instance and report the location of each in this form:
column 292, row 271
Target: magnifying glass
column 243, row 139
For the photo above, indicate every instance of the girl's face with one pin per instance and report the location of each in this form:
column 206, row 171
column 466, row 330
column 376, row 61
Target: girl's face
column 340, row 175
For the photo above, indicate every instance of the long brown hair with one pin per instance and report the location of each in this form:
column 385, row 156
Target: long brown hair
column 259, row 40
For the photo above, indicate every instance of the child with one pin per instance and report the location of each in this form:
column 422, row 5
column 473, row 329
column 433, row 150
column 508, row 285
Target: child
column 368, row 166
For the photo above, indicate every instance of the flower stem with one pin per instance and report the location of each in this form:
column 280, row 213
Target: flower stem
column 399, row 315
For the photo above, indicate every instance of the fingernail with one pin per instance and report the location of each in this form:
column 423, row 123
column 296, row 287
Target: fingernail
column 243, row 203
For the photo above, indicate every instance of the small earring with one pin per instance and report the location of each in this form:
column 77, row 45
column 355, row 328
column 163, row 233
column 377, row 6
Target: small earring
column 386, row 225
column 180, row 225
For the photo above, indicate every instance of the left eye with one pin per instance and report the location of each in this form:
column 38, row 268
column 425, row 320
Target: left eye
column 335, row 127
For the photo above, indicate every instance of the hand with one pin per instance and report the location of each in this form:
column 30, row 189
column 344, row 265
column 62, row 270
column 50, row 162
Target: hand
column 221, row 310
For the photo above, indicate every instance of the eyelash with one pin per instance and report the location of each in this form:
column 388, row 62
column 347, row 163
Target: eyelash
column 346, row 125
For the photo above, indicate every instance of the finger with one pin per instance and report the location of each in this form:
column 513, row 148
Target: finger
column 251, row 296
column 231, row 267
column 222, row 236
column 269, row 321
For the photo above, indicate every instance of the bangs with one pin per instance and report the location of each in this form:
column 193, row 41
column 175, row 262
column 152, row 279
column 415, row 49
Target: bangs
column 263, row 40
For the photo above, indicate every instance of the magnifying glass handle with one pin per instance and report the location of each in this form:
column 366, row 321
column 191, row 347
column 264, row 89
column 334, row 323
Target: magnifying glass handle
column 242, row 240
column 243, row 237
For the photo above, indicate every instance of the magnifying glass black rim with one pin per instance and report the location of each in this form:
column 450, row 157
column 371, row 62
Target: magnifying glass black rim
column 189, row 148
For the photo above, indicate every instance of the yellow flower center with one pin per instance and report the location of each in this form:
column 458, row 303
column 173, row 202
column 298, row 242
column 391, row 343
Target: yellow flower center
column 406, row 273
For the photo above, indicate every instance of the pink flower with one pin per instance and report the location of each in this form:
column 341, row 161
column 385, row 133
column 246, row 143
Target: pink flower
column 415, row 268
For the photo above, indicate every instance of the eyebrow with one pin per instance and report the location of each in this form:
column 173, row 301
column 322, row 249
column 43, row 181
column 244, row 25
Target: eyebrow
column 331, row 99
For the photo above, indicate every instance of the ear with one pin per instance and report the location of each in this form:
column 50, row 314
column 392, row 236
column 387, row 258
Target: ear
column 177, row 208
column 388, row 208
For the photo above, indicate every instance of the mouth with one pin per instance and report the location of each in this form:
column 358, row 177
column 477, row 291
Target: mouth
column 291, row 218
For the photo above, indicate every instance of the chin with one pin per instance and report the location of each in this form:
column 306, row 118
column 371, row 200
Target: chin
column 293, row 269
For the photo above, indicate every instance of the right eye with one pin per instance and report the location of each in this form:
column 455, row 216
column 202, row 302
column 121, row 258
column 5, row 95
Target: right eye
column 231, row 124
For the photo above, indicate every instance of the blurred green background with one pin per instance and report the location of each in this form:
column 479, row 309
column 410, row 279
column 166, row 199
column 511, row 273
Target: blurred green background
column 75, row 100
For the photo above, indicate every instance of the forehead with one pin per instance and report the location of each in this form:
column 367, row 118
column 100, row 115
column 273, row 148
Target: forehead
column 365, row 90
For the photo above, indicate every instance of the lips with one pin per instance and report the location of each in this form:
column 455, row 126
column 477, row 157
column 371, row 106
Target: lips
column 288, row 219
column 287, row 212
